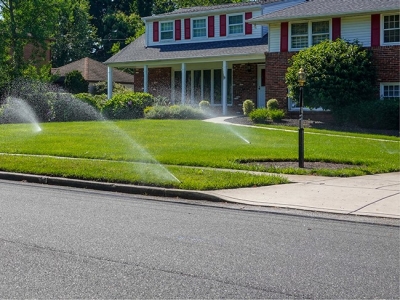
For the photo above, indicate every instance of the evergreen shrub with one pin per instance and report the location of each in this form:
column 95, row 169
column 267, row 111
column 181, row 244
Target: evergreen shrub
column 129, row 105
column 248, row 107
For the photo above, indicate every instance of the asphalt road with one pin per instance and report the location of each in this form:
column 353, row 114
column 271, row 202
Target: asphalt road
column 71, row 243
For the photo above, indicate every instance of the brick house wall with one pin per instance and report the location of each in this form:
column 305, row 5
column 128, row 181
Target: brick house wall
column 244, row 85
column 37, row 54
column 386, row 60
column 159, row 81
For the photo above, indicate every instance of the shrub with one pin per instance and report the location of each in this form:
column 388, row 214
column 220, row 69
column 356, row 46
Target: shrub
column 100, row 88
column 337, row 71
column 204, row 104
column 75, row 83
column 379, row 114
column 161, row 101
column 272, row 104
column 248, row 107
column 128, row 105
column 97, row 101
column 259, row 115
column 67, row 108
column 173, row 112
column 276, row 115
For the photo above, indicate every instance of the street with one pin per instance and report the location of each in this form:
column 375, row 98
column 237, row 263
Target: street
column 59, row 242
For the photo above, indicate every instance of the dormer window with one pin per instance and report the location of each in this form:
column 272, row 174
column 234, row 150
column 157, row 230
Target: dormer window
column 235, row 24
column 199, row 28
column 391, row 29
column 167, row 31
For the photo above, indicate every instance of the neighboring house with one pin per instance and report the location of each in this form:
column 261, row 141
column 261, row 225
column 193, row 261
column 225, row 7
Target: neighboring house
column 229, row 53
column 93, row 72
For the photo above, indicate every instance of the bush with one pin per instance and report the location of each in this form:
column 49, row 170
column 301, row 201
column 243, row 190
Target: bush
column 100, row 88
column 259, row 115
column 337, row 71
column 276, row 115
column 67, row 108
column 379, row 114
column 248, row 107
column 272, row 104
column 75, row 83
column 97, row 101
column 204, row 104
column 128, row 105
column 173, row 112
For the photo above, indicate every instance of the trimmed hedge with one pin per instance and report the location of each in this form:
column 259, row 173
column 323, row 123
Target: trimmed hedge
column 174, row 112
column 129, row 105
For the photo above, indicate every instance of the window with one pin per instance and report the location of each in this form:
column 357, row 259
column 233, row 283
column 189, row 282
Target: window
column 308, row 34
column 391, row 29
column 235, row 24
column 390, row 90
column 199, row 28
column 167, row 31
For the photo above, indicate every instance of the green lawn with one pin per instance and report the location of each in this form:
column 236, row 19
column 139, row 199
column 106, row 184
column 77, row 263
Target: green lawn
column 130, row 151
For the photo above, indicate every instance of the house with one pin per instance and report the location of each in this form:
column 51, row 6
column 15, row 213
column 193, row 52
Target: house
column 229, row 53
column 373, row 23
column 93, row 72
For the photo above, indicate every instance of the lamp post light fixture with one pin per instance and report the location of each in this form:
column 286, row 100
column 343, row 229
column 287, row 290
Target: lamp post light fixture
column 301, row 78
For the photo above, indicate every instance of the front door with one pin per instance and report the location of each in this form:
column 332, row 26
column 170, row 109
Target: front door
column 260, row 86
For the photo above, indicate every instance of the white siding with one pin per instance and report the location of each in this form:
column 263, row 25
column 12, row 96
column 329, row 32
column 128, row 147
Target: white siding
column 357, row 28
column 275, row 37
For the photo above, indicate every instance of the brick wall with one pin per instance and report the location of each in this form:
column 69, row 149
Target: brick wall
column 244, row 85
column 387, row 63
column 276, row 64
column 159, row 81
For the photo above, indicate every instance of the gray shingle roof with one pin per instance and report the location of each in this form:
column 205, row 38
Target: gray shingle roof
column 92, row 71
column 137, row 53
column 318, row 8
column 200, row 9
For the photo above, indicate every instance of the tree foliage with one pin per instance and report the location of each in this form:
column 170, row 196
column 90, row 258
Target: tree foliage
column 338, row 74
column 75, row 83
column 74, row 36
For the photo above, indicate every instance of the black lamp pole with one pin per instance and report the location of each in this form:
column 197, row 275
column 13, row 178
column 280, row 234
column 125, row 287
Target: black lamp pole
column 301, row 80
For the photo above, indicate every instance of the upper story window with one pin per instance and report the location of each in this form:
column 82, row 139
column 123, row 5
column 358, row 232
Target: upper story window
column 167, row 31
column 391, row 29
column 308, row 34
column 199, row 28
column 235, row 24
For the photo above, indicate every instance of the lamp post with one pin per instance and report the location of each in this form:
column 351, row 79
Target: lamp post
column 301, row 78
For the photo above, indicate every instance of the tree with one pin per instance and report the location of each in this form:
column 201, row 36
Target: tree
column 338, row 74
column 26, row 22
column 75, row 36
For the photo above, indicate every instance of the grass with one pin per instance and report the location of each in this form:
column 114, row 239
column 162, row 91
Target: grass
column 116, row 152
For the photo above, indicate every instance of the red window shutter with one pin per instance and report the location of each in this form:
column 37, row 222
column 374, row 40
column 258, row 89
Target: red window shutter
column 187, row 29
column 177, row 30
column 248, row 27
column 284, row 36
column 155, row 32
column 211, row 26
column 222, row 25
column 375, row 30
column 336, row 28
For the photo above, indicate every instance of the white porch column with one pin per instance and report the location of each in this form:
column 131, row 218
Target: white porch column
column 183, row 70
column 109, row 82
column 224, row 87
column 146, row 78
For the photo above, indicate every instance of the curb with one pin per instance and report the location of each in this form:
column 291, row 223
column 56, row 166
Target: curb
column 111, row 187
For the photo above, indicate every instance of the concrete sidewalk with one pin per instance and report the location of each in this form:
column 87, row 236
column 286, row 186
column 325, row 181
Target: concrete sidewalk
column 372, row 195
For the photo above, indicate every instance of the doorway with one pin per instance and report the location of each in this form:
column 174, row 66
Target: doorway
column 260, row 86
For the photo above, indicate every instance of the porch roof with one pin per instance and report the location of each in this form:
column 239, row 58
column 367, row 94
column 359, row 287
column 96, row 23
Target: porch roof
column 325, row 8
column 137, row 54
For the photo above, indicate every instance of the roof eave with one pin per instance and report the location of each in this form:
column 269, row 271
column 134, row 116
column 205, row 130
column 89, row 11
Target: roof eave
column 263, row 21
